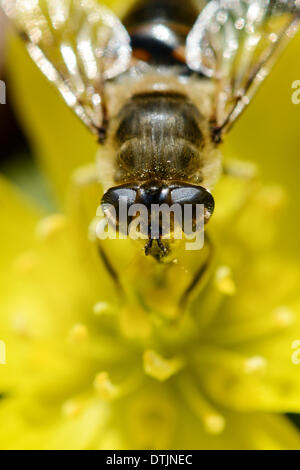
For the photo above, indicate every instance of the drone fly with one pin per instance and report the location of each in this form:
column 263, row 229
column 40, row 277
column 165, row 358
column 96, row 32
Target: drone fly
column 160, row 90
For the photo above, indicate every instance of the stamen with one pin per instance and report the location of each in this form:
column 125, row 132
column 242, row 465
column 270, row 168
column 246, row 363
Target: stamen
column 104, row 387
column 255, row 364
column 135, row 323
column 158, row 367
column 78, row 333
column 71, row 408
column 26, row 262
column 273, row 197
column 212, row 420
column 254, row 328
column 283, row 316
column 20, row 326
column 214, row 423
column 102, row 308
column 224, row 281
column 50, row 225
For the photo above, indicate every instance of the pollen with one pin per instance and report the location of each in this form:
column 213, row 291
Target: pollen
column 274, row 197
column 255, row 364
column 158, row 367
column 214, row 423
column 284, row 316
column 78, row 333
column 224, row 281
column 20, row 326
column 104, row 387
column 70, row 408
column 50, row 225
column 101, row 308
column 26, row 262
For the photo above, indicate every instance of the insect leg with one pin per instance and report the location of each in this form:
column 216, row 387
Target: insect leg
column 111, row 271
column 148, row 246
column 102, row 130
column 87, row 192
column 199, row 275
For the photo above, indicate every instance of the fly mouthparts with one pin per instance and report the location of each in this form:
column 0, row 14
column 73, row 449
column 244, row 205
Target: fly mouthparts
column 161, row 251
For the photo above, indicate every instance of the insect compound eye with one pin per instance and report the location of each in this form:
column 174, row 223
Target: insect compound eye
column 116, row 203
column 197, row 205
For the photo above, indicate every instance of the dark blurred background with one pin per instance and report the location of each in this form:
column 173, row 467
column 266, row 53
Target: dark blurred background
column 11, row 137
column 16, row 160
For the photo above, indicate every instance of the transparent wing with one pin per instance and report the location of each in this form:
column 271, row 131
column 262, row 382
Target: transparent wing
column 78, row 45
column 235, row 42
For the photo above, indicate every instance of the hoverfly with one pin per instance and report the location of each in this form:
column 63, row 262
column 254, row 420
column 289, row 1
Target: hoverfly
column 162, row 88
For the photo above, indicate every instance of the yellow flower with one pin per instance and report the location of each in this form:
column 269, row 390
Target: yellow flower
column 95, row 364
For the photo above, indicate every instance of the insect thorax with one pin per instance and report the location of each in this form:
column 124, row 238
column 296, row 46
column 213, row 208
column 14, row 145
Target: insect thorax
column 159, row 136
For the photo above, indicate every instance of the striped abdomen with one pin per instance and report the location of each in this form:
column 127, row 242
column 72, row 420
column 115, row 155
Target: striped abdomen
column 158, row 136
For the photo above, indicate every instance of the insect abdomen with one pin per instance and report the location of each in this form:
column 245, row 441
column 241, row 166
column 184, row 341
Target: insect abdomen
column 158, row 137
column 158, row 29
